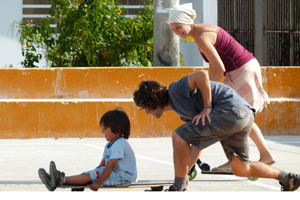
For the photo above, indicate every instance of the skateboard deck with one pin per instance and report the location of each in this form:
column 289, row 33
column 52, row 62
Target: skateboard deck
column 212, row 172
column 153, row 185
column 227, row 173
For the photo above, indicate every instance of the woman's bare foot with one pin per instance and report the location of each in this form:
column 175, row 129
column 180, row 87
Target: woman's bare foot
column 223, row 168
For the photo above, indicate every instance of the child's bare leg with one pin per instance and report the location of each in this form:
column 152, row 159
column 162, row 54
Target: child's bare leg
column 81, row 179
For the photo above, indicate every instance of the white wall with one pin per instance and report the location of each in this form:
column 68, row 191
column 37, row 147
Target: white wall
column 10, row 51
column 206, row 13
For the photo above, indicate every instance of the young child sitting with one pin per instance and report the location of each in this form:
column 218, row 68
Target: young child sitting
column 117, row 167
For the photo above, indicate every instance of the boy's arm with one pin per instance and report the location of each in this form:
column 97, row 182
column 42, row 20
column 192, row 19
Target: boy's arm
column 102, row 164
column 105, row 174
column 200, row 80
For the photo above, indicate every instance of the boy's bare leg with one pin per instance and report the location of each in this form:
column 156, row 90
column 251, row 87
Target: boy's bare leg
column 254, row 169
column 288, row 181
column 265, row 155
column 182, row 157
column 195, row 155
column 81, row 179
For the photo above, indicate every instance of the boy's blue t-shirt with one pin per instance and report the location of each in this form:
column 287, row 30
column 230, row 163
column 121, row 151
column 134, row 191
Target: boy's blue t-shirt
column 126, row 165
column 188, row 104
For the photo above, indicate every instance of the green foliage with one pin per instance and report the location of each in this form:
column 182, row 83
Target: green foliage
column 89, row 33
column 181, row 60
column 31, row 56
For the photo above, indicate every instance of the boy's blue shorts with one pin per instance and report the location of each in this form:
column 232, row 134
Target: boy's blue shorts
column 115, row 179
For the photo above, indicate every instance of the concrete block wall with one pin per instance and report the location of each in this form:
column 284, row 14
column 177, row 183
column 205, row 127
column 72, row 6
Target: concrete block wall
column 69, row 102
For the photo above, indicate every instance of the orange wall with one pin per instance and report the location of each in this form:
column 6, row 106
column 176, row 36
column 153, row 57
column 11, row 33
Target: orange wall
column 281, row 117
column 75, row 119
column 119, row 82
column 69, row 102
column 281, row 82
column 106, row 82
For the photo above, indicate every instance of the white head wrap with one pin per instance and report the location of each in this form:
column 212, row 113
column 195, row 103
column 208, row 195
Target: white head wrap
column 184, row 14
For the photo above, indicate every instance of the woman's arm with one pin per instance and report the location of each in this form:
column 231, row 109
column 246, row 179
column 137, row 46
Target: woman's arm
column 216, row 66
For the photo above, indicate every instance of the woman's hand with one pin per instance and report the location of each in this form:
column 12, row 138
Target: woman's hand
column 204, row 114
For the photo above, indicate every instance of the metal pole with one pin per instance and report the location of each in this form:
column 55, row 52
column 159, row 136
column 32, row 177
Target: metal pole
column 291, row 33
column 260, row 39
column 165, row 42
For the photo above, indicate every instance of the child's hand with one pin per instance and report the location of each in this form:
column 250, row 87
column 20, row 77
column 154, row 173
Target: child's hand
column 94, row 186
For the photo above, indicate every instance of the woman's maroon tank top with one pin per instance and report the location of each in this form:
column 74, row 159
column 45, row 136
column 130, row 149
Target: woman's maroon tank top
column 232, row 53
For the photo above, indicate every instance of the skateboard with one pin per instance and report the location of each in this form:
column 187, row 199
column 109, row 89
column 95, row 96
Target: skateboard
column 152, row 185
column 212, row 172
column 202, row 165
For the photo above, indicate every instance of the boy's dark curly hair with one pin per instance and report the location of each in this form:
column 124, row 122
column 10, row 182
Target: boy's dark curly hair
column 151, row 95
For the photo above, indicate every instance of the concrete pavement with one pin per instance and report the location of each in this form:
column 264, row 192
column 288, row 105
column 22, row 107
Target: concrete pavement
column 21, row 159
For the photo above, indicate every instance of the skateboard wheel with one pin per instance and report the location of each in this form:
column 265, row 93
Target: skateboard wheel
column 77, row 189
column 192, row 175
column 205, row 167
column 159, row 188
column 252, row 178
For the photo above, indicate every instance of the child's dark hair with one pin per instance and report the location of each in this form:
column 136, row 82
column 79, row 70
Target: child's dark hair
column 117, row 121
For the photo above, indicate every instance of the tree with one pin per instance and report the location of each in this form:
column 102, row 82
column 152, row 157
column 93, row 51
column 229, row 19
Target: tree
column 89, row 33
